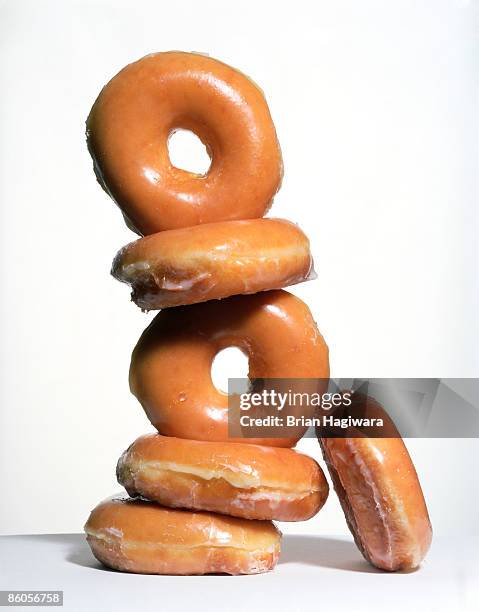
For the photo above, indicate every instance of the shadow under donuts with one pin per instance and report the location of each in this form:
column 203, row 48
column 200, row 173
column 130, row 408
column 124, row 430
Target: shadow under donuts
column 80, row 554
column 319, row 551
column 324, row 551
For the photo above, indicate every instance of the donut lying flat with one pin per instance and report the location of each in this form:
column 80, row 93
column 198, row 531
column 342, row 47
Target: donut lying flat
column 170, row 370
column 137, row 111
column 382, row 499
column 213, row 261
column 144, row 538
column 253, row 482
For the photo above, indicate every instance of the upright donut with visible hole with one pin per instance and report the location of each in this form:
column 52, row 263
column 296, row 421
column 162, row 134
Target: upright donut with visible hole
column 170, row 370
column 137, row 111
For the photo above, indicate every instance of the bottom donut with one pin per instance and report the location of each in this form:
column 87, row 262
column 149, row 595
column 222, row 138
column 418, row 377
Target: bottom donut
column 138, row 536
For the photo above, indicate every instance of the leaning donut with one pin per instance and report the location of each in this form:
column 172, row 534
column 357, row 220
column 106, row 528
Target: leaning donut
column 142, row 537
column 380, row 494
column 137, row 111
column 213, row 261
column 244, row 480
column 170, row 372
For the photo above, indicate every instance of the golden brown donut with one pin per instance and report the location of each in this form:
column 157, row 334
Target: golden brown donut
column 144, row 538
column 213, row 261
column 253, row 482
column 382, row 499
column 170, row 370
column 137, row 111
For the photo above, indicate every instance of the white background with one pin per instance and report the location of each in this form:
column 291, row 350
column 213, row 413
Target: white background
column 375, row 104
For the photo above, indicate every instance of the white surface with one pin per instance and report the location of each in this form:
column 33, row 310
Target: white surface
column 376, row 109
column 313, row 574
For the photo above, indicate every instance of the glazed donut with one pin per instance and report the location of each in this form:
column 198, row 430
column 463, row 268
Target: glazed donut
column 253, row 482
column 138, row 536
column 213, row 261
column 137, row 111
column 381, row 497
column 170, row 370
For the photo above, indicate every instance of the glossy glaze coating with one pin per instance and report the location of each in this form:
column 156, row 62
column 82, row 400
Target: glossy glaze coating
column 138, row 110
column 382, row 499
column 245, row 480
column 170, row 370
column 143, row 537
column 213, row 261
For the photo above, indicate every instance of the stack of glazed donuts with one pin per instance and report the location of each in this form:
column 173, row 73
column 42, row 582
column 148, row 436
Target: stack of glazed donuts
column 201, row 501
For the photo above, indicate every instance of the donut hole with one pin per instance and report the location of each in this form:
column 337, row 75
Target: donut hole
column 230, row 362
column 187, row 152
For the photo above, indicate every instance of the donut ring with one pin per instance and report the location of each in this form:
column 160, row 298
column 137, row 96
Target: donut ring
column 137, row 111
column 170, row 371
column 244, row 480
column 213, row 261
column 381, row 497
column 141, row 537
